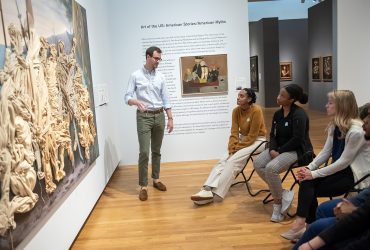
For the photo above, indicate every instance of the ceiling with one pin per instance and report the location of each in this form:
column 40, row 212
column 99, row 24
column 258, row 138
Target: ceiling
column 283, row 9
column 260, row 0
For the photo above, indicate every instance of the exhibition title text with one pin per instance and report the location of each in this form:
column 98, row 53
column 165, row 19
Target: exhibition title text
column 184, row 24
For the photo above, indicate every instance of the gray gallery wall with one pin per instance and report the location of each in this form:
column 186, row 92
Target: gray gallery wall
column 275, row 41
column 264, row 43
column 297, row 41
column 256, row 49
column 293, row 47
column 271, row 58
column 320, row 43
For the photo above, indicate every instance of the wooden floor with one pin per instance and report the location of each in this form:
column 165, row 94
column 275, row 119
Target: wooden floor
column 170, row 220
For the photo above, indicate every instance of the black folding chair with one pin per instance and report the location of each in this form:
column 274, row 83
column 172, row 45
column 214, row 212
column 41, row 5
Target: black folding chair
column 354, row 188
column 246, row 180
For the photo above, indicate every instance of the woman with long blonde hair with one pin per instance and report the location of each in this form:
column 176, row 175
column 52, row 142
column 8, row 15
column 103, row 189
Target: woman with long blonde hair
column 350, row 155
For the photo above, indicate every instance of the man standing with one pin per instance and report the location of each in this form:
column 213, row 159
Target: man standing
column 151, row 100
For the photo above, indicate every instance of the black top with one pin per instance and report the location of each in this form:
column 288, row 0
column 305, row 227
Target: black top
column 290, row 133
column 338, row 144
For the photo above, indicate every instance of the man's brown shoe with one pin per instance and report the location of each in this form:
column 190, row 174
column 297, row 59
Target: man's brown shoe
column 143, row 195
column 160, row 186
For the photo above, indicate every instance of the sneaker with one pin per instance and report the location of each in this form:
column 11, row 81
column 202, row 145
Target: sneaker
column 276, row 214
column 286, row 201
column 293, row 235
column 204, row 202
column 202, row 195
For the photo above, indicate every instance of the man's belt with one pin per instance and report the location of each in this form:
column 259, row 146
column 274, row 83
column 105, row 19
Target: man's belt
column 156, row 111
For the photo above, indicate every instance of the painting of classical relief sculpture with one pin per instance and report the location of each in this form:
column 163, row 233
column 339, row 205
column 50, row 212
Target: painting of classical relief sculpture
column 47, row 123
column 327, row 69
column 285, row 71
column 254, row 72
column 204, row 74
column 316, row 69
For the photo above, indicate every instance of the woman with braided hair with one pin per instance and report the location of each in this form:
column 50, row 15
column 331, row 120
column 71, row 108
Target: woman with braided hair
column 247, row 132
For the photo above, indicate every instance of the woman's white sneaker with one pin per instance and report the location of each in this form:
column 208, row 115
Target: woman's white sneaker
column 202, row 195
column 276, row 214
column 286, row 201
column 204, row 202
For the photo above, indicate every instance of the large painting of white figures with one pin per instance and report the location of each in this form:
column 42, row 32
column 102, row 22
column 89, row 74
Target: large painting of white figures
column 47, row 123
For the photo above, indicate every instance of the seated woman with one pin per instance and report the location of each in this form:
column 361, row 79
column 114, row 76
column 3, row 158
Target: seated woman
column 350, row 160
column 247, row 132
column 329, row 212
column 289, row 139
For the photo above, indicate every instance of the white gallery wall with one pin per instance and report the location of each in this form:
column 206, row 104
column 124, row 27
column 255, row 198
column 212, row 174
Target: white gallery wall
column 353, row 48
column 179, row 28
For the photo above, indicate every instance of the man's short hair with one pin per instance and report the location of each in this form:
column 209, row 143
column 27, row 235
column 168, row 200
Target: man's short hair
column 363, row 110
column 150, row 51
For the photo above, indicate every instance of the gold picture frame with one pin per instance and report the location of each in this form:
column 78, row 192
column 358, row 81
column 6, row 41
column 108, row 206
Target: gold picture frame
column 316, row 69
column 204, row 75
column 327, row 69
column 286, row 71
column 254, row 73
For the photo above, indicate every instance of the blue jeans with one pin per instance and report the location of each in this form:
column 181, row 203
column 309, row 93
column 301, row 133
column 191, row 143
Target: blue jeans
column 324, row 218
column 314, row 229
column 326, row 209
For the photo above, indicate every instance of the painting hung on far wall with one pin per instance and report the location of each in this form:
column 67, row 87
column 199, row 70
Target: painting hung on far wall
column 48, row 134
column 285, row 71
column 254, row 72
column 316, row 69
column 327, row 69
column 204, row 74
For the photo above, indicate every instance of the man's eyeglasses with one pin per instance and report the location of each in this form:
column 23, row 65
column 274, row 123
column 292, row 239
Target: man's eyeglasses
column 158, row 59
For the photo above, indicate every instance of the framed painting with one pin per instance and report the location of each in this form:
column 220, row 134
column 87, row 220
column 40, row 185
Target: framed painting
column 316, row 69
column 49, row 135
column 285, row 71
column 254, row 73
column 327, row 69
column 204, row 75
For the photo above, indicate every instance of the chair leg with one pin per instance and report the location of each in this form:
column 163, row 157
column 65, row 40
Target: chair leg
column 246, row 182
column 255, row 193
column 267, row 200
column 245, row 179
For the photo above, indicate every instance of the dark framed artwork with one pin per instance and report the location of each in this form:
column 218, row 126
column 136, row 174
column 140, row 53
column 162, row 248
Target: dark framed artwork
column 204, row 75
column 285, row 71
column 316, row 69
column 254, row 73
column 327, row 69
